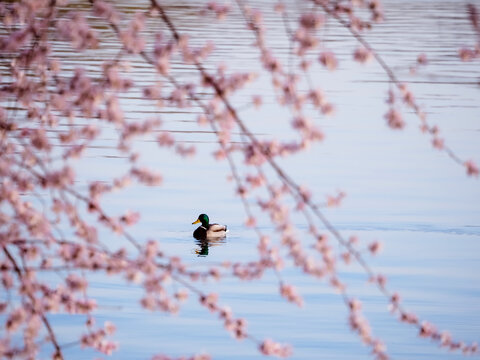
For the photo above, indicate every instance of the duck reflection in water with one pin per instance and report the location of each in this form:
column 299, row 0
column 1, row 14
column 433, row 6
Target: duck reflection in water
column 208, row 234
column 205, row 244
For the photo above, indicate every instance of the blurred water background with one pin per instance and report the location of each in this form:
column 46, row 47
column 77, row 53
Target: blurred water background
column 400, row 190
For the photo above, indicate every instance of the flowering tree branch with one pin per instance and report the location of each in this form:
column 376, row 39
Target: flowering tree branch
column 34, row 163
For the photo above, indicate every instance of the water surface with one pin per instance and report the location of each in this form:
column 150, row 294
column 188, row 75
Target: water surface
column 400, row 190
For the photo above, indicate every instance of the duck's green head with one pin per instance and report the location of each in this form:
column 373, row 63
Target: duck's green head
column 203, row 218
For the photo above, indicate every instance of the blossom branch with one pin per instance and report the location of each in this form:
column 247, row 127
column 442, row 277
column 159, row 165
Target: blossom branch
column 408, row 98
column 378, row 280
column 58, row 351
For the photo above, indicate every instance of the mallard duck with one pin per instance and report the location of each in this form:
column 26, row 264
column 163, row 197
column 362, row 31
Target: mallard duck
column 207, row 230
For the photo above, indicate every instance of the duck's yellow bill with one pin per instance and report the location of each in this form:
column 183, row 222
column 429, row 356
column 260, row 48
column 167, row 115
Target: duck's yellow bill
column 196, row 222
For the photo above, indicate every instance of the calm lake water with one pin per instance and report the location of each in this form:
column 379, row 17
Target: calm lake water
column 399, row 190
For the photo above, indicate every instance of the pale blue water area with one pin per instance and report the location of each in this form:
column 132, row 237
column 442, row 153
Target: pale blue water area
column 400, row 190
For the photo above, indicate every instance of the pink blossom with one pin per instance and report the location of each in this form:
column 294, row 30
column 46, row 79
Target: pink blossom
column 255, row 181
column 472, row 349
column 409, row 318
column 185, row 151
column 131, row 38
column 279, row 7
column 146, row 176
column 76, row 283
column 271, row 63
column 90, row 131
column 181, row 295
column 60, row 178
column 161, row 357
column 7, row 280
column 39, row 139
column 355, row 305
column 375, row 247
column 362, row 55
column 434, row 130
column 109, row 327
column 337, row 284
column 220, row 154
column 317, row 97
column 328, row 59
column 445, row 338
column 178, row 98
column 306, row 40
column 333, row 201
column 75, row 152
column 438, row 143
column 121, row 182
column 427, row 329
column 257, row 101
column 395, row 299
column 467, row 54
column 408, row 97
column 105, row 10
column 473, row 16
column 381, row 280
column 210, row 301
column 165, row 139
column 15, row 319
column 346, row 257
column 200, row 357
column 305, row 64
column 153, row 92
column 162, row 53
column 114, row 80
column 422, row 59
column 379, row 349
column 327, row 109
column 107, row 347
column 290, row 293
column 301, row 123
column 81, row 306
column 3, row 307
column 311, row 20
column 202, row 120
column 269, row 347
column 360, row 325
column 472, row 168
column 251, row 222
column 130, row 218
column 394, row 119
column 15, row 40
column 77, row 30
column 148, row 302
column 220, row 11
